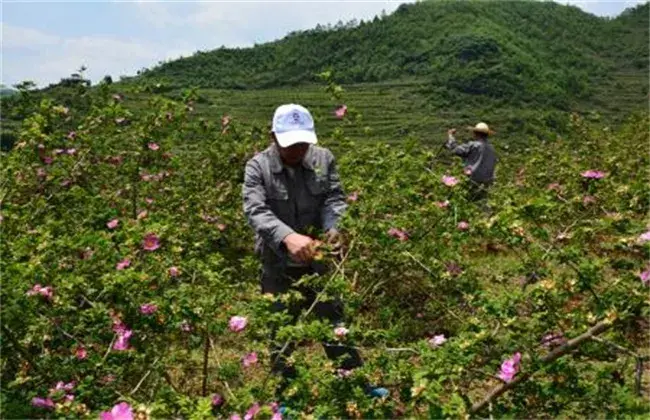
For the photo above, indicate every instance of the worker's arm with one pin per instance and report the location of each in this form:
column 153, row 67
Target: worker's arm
column 461, row 150
column 334, row 205
column 258, row 213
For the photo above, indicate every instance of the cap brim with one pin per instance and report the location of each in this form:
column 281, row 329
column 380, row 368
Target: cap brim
column 294, row 137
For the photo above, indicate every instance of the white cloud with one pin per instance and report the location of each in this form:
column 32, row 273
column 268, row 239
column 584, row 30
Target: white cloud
column 29, row 54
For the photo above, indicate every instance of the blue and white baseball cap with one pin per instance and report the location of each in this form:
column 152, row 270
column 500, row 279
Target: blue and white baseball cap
column 293, row 124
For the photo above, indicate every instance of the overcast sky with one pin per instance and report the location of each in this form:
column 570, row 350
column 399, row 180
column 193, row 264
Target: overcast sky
column 46, row 40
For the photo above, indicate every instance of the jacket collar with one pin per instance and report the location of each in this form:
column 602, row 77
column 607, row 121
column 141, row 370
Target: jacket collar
column 276, row 165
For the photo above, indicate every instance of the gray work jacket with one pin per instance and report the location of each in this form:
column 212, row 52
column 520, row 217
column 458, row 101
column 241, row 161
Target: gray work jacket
column 280, row 200
column 478, row 156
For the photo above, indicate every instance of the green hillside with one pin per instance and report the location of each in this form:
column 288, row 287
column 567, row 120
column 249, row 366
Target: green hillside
column 538, row 53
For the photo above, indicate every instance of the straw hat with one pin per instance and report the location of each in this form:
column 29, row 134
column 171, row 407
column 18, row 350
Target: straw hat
column 481, row 128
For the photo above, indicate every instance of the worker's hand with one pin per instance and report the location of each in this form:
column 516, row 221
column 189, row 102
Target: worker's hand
column 451, row 131
column 301, row 248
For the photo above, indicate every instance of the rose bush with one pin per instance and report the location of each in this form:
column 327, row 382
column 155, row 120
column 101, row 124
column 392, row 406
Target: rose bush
column 128, row 271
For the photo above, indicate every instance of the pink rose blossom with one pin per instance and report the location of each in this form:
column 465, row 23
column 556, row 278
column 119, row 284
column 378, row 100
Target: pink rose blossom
column 62, row 386
column 437, row 340
column 112, row 224
column 509, row 368
column 47, row 292
column 249, row 360
column 592, row 174
column 148, row 200
column 237, row 323
column 252, row 412
column 71, row 152
column 463, row 225
column 449, row 181
column 235, row 416
column 148, row 308
column 153, row 146
column 174, row 271
column 644, row 237
column 588, row 199
column 122, row 342
column 121, row 411
column 72, row 135
column 442, row 204
column 43, row 403
column 69, row 398
column 341, row 111
column 217, row 400
column 399, row 234
column 81, row 353
column 645, row 277
column 151, row 242
column 123, row 264
column 341, row 332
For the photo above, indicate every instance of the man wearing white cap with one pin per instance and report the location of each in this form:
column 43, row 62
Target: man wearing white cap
column 290, row 189
column 479, row 158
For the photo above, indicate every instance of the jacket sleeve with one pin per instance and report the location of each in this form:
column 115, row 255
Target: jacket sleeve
column 335, row 204
column 258, row 213
column 462, row 150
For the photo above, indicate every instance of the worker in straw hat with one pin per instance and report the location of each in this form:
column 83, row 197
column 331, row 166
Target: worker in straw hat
column 479, row 158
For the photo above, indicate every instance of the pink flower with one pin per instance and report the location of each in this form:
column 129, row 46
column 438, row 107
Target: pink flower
column 510, row 367
column 62, row 386
column 43, row 403
column 353, row 197
column 235, row 416
column 437, row 340
column 112, row 224
column 645, row 237
column 69, row 398
column 217, row 400
column 81, row 353
column 47, row 160
column 174, row 271
column 153, row 146
column 71, row 152
column 151, row 242
column 185, row 326
column 72, row 135
column 221, row 227
column 592, row 174
column 143, row 214
column 588, row 199
column 442, row 204
column 237, row 323
column 645, row 277
column 249, row 360
column 341, row 332
column 449, row 181
column 121, row 411
column 122, row 342
column 344, row 373
column 463, row 225
column 46, row 292
column 148, row 308
column 123, row 264
column 276, row 416
column 341, row 111
column 399, row 234
column 252, row 412
column 148, row 200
